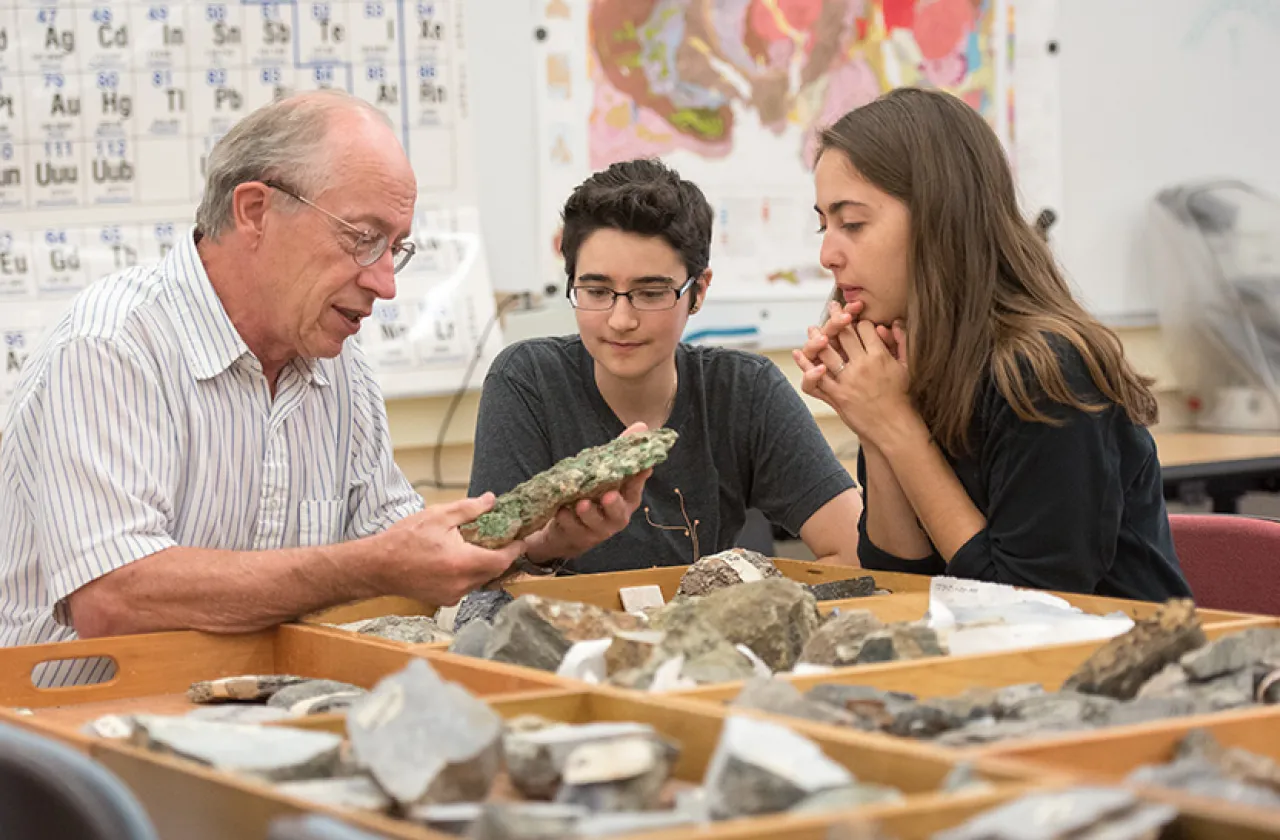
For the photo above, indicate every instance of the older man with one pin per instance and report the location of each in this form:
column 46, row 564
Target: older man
column 197, row 445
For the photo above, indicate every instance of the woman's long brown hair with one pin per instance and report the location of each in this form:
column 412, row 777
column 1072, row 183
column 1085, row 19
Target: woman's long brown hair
column 985, row 292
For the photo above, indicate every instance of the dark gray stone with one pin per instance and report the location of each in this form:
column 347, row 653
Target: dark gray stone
column 1202, row 778
column 358, row 793
column 840, row 590
column 761, row 767
column 1063, row 707
column 481, row 605
column 425, row 740
column 994, row 731
column 872, row 709
column 783, row 698
column 1147, row 709
column 1169, row 680
column 899, row 642
column 537, row 632
column 273, row 753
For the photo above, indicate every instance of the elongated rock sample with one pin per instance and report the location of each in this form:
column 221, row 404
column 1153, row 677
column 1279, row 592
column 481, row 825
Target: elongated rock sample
column 589, row 474
column 425, row 740
column 536, row 632
column 247, row 688
column 728, row 568
column 273, row 753
column 1120, row 667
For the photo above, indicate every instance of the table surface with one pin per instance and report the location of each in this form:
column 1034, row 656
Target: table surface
column 1178, row 450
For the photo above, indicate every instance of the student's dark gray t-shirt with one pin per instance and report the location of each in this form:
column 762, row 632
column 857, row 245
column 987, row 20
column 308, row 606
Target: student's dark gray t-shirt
column 746, row 441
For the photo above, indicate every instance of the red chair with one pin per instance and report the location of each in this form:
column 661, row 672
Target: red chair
column 1231, row 562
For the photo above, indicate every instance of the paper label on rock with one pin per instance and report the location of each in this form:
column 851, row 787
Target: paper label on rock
column 958, row 594
column 585, row 661
column 380, row 708
column 747, row 572
column 113, row 726
column 803, row 668
column 667, row 676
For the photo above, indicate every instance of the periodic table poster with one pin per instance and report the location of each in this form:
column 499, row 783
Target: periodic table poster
column 108, row 111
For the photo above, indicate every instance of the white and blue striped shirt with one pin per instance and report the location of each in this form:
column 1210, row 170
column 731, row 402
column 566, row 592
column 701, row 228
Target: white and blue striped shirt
column 143, row 421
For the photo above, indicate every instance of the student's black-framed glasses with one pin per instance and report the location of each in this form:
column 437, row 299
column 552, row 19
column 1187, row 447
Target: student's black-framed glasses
column 598, row 298
column 368, row 246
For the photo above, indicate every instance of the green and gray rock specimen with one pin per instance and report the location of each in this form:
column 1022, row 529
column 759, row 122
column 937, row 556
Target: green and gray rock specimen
column 588, row 474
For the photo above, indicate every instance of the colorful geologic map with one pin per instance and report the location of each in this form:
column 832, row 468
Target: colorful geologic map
column 687, row 74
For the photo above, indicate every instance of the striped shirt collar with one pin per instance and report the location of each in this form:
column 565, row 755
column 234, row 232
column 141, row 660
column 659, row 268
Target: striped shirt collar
column 210, row 340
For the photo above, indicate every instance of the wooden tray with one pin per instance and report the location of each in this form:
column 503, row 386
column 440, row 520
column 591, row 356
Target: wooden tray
column 193, row 803
column 1108, row 756
column 153, row 672
column 950, row 676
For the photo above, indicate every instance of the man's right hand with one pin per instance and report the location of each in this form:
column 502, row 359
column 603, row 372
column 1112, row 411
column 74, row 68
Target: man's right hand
column 424, row 556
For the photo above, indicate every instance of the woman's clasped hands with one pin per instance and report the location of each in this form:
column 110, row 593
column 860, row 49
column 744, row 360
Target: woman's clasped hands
column 860, row 370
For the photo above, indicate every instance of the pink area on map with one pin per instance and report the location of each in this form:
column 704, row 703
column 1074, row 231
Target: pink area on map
column 947, row 71
column 621, row 130
column 848, row 86
column 941, row 25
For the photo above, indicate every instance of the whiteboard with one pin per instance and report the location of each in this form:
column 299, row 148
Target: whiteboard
column 1154, row 93
column 108, row 110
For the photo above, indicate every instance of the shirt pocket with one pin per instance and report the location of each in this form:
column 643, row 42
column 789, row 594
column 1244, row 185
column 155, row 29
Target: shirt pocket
column 321, row 521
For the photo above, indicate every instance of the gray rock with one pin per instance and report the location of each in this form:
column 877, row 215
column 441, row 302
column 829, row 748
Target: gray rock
column 872, row 709
column 900, row 642
column 963, row 778
column 358, row 793
column 1083, row 813
column 994, row 731
column 783, row 698
column 526, row 821
column 234, row 713
column 774, row 618
column 631, row 649
column 839, row 640
column 273, row 753
column 536, row 632
column 247, row 688
column 1223, row 656
column 472, row 639
column 1171, row 679
column 728, row 568
column 300, row 698
column 536, row 757
column 708, row 656
column 1063, row 707
column 847, row 798
column 453, row 818
column 1147, row 709
column 634, row 822
column 1200, row 777
column 940, row 714
column 840, row 590
column 411, row 629
column 1229, row 691
column 426, row 740
column 625, row 774
column 481, row 605
column 761, row 767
